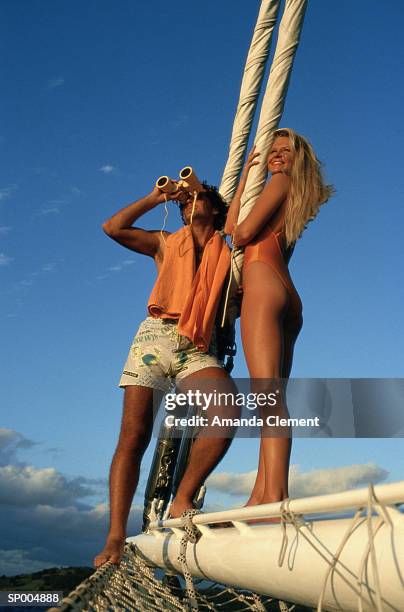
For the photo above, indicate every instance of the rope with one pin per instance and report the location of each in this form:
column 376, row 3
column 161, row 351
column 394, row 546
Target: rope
column 165, row 218
column 373, row 502
column 191, row 534
column 272, row 104
column 133, row 586
column 229, row 285
column 287, row 516
column 193, row 207
column 249, row 92
column 336, row 557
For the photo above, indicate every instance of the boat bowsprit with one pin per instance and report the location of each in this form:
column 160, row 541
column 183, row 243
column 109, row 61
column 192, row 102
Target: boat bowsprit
column 314, row 555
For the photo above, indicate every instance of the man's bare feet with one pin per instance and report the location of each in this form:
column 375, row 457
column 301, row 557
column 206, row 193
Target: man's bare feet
column 179, row 504
column 112, row 551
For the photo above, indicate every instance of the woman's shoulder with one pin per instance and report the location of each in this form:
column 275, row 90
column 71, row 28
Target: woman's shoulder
column 278, row 185
column 279, row 178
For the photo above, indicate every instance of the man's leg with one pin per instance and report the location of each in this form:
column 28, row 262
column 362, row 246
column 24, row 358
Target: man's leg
column 207, row 450
column 136, row 429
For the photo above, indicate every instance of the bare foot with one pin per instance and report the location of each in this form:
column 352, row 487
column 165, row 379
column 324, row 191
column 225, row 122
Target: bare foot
column 253, row 501
column 263, row 521
column 112, row 552
column 179, row 504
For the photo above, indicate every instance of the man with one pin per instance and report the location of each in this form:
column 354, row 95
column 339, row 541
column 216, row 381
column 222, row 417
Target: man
column 175, row 344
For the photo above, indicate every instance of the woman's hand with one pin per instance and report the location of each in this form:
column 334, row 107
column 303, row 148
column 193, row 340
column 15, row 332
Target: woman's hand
column 235, row 237
column 234, row 209
column 251, row 161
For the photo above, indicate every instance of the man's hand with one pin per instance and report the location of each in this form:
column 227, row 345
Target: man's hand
column 179, row 196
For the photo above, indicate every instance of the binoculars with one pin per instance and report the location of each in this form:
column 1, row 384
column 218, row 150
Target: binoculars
column 188, row 181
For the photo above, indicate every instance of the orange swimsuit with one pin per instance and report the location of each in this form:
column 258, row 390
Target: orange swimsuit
column 266, row 247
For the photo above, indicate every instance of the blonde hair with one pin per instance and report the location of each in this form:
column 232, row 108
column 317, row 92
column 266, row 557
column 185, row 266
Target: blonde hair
column 307, row 190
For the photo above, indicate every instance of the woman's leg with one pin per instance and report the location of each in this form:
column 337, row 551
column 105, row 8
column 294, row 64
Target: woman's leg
column 268, row 347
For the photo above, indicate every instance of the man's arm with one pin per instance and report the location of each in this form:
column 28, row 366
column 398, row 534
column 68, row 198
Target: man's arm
column 119, row 226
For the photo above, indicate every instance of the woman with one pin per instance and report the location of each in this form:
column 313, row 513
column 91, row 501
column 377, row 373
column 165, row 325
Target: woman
column 271, row 313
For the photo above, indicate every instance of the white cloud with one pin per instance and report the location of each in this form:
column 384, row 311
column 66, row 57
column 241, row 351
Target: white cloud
column 107, row 168
column 334, row 480
column 54, row 83
column 232, row 483
column 27, row 486
column 48, row 267
column 316, row 482
column 68, row 536
column 4, row 229
column 17, row 561
column 42, row 505
column 24, row 285
column 57, row 201
column 115, row 268
column 7, row 192
column 53, row 210
column 179, row 122
column 11, row 442
column 4, row 260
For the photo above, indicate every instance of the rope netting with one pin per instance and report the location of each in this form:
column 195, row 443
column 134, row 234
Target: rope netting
column 136, row 585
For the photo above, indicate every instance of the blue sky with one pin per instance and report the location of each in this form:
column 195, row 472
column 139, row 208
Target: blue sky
column 100, row 98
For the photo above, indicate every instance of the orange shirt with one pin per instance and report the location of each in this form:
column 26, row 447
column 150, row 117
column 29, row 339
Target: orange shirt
column 190, row 295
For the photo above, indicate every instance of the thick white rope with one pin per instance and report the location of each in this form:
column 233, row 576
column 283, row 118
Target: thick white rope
column 249, row 92
column 274, row 98
column 271, row 112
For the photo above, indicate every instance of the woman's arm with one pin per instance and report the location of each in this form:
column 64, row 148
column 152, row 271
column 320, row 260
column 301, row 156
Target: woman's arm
column 234, row 208
column 271, row 198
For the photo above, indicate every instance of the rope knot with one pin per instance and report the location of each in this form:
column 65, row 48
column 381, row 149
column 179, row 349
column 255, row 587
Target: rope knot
column 191, row 530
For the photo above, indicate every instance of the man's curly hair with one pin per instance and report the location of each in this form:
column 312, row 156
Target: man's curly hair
column 217, row 202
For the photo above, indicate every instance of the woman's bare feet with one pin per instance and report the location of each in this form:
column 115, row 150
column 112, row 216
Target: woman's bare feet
column 262, row 501
column 112, row 551
column 253, row 501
